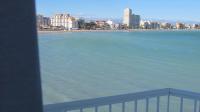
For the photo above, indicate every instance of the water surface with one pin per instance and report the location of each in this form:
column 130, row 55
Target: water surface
column 85, row 65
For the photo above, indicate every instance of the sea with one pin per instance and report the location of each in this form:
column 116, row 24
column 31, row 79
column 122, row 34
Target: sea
column 83, row 65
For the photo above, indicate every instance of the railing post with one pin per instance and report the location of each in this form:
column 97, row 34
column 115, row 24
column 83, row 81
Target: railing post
column 168, row 102
column 181, row 105
column 135, row 106
column 195, row 105
column 147, row 104
column 65, row 110
column 199, row 106
column 96, row 108
column 158, row 103
column 81, row 110
column 110, row 107
column 123, row 107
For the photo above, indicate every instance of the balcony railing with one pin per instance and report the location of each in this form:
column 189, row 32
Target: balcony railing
column 168, row 94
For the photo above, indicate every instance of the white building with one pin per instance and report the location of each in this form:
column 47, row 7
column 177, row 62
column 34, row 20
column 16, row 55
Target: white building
column 111, row 24
column 131, row 20
column 150, row 25
column 145, row 24
column 127, row 19
column 64, row 20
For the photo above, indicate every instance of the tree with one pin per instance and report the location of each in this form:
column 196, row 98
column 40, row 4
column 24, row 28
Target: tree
column 90, row 26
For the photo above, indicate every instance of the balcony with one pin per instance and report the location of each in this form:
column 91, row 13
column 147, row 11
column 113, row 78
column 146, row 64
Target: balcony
column 170, row 98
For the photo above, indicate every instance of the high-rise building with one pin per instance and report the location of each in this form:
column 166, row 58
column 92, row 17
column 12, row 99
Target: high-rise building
column 136, row 21
column 131, row 20
column 127, row 20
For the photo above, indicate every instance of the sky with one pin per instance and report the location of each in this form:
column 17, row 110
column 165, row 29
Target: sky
column 148, row 9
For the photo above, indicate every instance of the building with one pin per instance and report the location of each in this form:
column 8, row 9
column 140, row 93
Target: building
column 154, row 25
column 65, row 21
column 72, row 23
column 188, row 26
column 195, row 26
column 39, row 20
column 43, row 22
column 46, row 22
column 136, row 21
column 150, row 25
column 166, row 26
column 60, row 20
column 100, row 23
column 145, row 24
column 131, row 20
column 111, row 24
column 117, row 26
column 180, row 25
column 127, row 19
column 81, row 23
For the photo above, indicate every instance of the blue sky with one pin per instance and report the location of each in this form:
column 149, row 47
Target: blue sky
column 156, row 9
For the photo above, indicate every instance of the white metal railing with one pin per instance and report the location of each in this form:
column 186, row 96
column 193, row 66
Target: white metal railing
column 135, row 97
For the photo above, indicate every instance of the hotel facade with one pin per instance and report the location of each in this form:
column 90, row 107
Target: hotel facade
column 65, row 21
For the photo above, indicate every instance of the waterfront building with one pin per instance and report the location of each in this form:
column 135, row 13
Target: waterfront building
column 72, row 23
column 111, row 24
column 145, row 24
column 43, row 22
column 166, row 26
column 117, row 26
column 135, row 21
column 100, row 23
column 127, row 19
column 65, row 21
column 154, row 25
column 90, row 25
column 188, row 26
column 81, row 23
column 131, row 20
column 180, row 25
column 196, row 26
column 60, row 20
column 150, row 25
column 39, row 20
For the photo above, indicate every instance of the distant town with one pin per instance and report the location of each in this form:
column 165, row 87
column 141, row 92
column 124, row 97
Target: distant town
column 66, row 22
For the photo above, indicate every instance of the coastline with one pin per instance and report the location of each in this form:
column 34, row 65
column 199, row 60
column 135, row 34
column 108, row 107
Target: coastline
column 131, row 30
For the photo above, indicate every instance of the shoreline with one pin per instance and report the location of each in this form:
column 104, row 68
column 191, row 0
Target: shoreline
column 131, row 30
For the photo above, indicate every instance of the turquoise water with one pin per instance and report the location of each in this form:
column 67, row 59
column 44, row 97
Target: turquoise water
column 85, row 65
